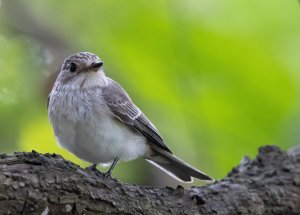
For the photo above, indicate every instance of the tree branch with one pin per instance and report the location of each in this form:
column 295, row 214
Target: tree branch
column 32, row 183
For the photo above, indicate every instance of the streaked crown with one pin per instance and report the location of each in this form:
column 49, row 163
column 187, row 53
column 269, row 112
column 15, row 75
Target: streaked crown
column 80, row 58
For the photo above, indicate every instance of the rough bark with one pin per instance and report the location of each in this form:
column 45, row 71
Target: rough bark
column 33, row 183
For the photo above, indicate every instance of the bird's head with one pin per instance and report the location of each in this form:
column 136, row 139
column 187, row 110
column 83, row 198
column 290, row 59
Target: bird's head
column 79, row 69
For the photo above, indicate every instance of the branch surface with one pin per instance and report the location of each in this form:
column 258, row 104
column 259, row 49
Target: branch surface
column 33, row 183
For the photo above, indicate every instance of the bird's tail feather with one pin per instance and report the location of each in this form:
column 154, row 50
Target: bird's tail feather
column 175, row 167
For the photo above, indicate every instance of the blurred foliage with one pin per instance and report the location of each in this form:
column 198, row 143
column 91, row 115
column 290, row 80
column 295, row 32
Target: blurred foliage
column 218, row 79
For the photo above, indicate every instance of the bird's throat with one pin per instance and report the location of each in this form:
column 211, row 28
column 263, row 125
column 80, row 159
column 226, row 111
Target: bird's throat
column 93, row 79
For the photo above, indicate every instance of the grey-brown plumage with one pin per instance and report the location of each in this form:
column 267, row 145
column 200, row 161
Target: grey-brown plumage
column 94, row 118
column 124, row 109
column 121, row 105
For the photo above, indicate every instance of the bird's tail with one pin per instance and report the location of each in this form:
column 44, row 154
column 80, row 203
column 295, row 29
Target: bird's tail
column 175, row 167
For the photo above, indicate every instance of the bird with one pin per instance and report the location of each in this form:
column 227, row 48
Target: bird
column 94, row 118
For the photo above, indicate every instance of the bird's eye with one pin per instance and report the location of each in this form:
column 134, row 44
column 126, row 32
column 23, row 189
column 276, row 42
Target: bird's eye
column 73, row 67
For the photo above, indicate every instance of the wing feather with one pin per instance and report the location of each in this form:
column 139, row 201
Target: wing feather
column 127, row 112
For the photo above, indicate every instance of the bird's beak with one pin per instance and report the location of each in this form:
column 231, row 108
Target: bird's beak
column 95, row 66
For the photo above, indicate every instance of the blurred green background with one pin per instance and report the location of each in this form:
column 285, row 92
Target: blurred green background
column 218, row 79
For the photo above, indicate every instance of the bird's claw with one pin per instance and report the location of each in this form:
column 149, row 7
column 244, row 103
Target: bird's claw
column 93, row 168
column 107, row 174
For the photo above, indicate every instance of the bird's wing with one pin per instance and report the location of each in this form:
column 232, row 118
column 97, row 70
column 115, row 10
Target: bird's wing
column 120, row 104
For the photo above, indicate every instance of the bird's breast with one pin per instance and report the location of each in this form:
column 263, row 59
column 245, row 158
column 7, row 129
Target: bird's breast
column 84, row 125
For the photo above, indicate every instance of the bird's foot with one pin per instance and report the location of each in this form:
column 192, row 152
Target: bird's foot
column 107, row 174
column 93, row 168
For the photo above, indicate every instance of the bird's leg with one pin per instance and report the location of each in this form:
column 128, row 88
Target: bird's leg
column 93, row 168
column 108, row 173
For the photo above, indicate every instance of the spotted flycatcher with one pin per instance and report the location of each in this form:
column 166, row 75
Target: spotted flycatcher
column 95, row 119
